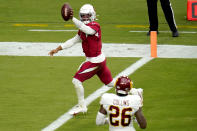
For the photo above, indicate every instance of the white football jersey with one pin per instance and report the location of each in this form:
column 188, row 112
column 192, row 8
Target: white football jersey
column 120, row 110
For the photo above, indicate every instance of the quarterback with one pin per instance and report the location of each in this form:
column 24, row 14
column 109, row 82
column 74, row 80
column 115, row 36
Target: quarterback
column 89, row 35
column 118, row 110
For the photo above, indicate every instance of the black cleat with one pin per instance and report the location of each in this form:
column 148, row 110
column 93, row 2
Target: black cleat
column 175, row 34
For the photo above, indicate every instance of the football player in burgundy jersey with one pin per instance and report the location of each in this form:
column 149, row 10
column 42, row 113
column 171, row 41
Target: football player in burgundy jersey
column 118, row 110
column 89, row 35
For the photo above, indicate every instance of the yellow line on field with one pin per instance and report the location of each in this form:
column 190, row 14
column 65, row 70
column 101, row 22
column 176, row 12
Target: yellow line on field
column 146, row 26
column 129, row 26
column 117, row 26
column 69, row 25
column 186, row 26
column 32, row 25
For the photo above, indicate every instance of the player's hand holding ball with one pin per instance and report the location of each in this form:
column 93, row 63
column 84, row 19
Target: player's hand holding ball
column 67, row 12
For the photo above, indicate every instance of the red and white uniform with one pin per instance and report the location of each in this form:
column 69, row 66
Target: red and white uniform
column 90, row 37
column 120, row 110
column 91, row 44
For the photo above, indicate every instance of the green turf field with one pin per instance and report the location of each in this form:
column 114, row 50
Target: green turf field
column 34, row 91
column 19, row 16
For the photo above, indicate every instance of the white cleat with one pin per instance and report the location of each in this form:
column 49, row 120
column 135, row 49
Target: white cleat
column 78, row 109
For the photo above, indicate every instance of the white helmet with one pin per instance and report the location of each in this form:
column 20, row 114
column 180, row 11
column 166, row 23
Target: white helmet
column 88, row 10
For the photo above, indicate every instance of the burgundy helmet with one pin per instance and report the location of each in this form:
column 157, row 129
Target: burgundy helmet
column 123, row 85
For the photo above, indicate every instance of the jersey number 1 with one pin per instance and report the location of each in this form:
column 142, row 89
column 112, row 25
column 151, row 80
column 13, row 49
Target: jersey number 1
column 123, row 113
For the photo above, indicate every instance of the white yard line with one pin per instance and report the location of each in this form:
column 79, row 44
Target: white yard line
column 66, row 116
column 53, row 30
column 137, row 31
column 182, row 32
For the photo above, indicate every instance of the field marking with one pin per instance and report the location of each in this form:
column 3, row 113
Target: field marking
column 135, row 31
column 69, row 25
column 66, row 116
column 184, row 32
column 109, row 49
column 130, row 26
column 146, row 26
column 117, row 26
column 31, row 25
column 52, row 30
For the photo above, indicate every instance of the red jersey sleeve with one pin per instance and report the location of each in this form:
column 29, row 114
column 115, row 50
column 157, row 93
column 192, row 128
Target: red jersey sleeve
column 94, row 25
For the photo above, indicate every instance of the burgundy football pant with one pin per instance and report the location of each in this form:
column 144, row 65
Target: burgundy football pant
column 88, row 70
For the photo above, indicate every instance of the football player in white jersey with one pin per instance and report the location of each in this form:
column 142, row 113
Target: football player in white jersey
column 119, row 110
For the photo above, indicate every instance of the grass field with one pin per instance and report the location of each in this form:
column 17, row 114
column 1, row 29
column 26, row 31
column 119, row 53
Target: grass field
column 35, row 91
column 19, row 16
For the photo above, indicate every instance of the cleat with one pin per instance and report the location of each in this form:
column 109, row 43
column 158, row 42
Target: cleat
column 78, row 109
column 175, row 34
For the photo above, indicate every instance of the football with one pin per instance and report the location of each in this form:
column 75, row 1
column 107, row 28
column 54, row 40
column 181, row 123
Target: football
column 66, row 11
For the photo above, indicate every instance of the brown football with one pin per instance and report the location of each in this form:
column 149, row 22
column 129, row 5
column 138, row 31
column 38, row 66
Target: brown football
column 66, row 11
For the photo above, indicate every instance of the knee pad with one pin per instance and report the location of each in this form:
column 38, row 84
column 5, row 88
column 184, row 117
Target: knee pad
column 76, row 82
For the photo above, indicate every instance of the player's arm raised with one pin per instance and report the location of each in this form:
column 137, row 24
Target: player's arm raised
column 67, row 14
column 84, row 28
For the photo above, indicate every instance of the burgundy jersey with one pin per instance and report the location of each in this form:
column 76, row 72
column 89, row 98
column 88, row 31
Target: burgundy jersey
column 91, row 44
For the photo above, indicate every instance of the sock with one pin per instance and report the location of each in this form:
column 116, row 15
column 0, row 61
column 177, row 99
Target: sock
column 79, row 90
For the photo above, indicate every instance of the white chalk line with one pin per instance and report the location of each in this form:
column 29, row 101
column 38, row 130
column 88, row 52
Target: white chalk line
column 109, row 49
column 66, row 116
column 39, row 30
column 184, row 32
column 53, row 30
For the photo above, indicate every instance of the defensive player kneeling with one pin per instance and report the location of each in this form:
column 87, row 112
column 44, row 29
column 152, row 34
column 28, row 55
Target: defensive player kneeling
column 118, row 110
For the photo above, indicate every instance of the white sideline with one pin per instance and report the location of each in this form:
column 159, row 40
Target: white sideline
column 183, row 32
column 65, row 117
column 109, row 49
column 53, row 30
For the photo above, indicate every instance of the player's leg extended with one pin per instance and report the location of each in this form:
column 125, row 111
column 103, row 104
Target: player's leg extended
column 105, row 75
column 86, row 71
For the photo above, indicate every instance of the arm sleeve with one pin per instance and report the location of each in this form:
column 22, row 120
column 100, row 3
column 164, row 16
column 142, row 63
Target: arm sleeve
column 101, row 119
column 84, row 28
column 71, row 42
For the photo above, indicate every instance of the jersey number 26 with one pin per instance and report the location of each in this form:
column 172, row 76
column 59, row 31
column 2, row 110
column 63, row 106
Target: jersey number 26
column 125, row 116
